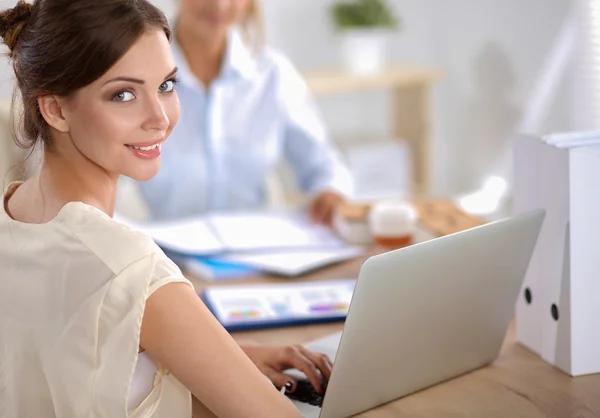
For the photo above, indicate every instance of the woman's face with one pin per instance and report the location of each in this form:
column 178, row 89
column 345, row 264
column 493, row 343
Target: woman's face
column 212, row 18
column 120, row 120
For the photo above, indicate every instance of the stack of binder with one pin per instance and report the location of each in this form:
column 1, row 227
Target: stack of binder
column 558, row 312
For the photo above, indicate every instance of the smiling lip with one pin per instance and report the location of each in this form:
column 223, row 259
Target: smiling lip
column 151, row 151
column 146, row 144
column 214, row 19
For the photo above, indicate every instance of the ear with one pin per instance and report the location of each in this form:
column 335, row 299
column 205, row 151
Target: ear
column 52, row 112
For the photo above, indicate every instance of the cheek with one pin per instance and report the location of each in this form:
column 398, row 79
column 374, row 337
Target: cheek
column 101, row 129
column 172, row 110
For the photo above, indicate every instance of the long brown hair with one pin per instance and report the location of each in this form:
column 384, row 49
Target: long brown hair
column 60, row 46
column 253, row 27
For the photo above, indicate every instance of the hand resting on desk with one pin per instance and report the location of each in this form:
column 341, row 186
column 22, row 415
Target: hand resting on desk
column 272, row 361
column 322, row 206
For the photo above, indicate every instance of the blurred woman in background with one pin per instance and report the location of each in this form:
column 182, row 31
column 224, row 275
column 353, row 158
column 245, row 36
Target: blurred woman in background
column 244, row 107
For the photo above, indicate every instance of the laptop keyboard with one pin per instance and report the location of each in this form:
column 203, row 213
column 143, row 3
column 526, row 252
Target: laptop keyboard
column 305, row 392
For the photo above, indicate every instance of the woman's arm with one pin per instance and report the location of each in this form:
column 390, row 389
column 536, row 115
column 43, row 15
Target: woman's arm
column 180, row 333
column 199, row 410
column 307, row 145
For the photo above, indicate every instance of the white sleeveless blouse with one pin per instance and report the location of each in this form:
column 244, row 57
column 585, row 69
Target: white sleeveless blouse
column 72, row 297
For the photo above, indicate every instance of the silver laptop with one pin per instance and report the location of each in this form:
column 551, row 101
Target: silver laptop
column 425, row 314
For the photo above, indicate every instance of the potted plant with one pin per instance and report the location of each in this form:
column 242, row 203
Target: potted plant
column 363, row 26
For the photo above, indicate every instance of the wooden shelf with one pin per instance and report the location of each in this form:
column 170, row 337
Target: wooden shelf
column 322, row 82
column 410, row 105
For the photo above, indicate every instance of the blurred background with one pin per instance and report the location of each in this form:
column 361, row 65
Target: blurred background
column 488, row 55
column 489, row 52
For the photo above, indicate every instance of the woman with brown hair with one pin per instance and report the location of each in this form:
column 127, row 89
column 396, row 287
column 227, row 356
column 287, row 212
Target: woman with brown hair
column 244, row 108
column 95, row 321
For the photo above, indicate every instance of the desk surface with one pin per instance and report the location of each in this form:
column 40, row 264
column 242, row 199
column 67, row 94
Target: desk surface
column 517, row 384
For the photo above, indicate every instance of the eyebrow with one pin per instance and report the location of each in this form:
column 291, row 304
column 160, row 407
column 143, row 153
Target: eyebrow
column 137, row 80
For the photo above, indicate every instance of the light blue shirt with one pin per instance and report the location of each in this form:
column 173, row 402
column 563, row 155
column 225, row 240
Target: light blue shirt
column 231, row 136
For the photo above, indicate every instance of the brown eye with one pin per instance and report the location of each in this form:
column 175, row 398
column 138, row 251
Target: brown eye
column 167, row 86
column 123, row 96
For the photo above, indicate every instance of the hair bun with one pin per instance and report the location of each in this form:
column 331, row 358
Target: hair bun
column 12, row 22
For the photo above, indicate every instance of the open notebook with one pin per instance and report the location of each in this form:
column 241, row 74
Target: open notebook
column 222, row 246
column 238, row 232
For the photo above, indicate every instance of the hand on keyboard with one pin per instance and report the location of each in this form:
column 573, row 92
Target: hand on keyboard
column 305, row 392
column 273, row 361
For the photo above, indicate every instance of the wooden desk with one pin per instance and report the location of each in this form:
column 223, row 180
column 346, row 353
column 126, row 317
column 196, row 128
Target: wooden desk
column 410, row 107
column 518, row 384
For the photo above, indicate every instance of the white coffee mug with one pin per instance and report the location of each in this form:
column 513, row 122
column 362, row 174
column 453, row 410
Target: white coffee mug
column 393, row 222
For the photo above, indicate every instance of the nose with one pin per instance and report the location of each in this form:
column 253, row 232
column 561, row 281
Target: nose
column 156, row 117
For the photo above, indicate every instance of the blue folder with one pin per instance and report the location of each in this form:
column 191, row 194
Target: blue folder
column 321, row 311
column 210, row 268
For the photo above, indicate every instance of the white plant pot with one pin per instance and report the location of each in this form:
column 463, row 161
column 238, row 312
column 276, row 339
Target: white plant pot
column 364, row 51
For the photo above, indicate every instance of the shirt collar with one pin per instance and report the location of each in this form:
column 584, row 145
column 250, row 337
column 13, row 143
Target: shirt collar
column 238, row 61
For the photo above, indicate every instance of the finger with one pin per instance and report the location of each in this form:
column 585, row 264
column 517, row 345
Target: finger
column 329, row 205
column 301, row 362
column 322, row 210
column 280, row 380
column 327, row 213
column 314, row 210
column 321, row 360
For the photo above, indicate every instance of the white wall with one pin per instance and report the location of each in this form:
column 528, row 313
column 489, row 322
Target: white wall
column 489, row 50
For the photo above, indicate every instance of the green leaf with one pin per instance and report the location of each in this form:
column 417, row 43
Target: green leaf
column 363, row 14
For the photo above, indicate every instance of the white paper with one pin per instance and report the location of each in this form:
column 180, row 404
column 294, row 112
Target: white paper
column 573, row 139
column 239, row 232
column 294, row 263
column 189, row 236
column 193, row 237
column 262, row 231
